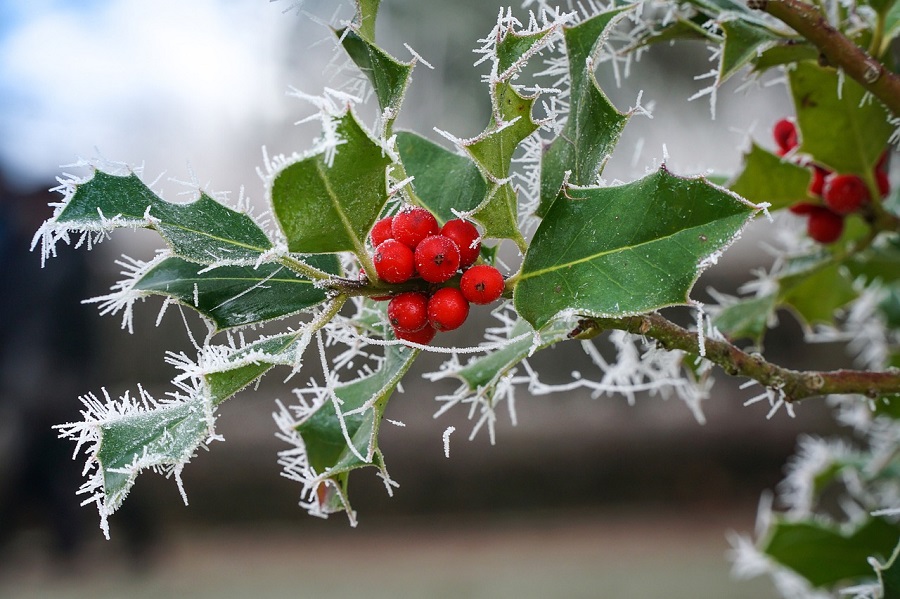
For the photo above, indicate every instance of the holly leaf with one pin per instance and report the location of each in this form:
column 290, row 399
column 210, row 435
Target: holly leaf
column 782, row 54
column 594, row 125
column 768, row 178
column 826, row 555
column 389, row 76
column 232, row 296
column 203, row 231
column 743, row 42
column 326, row 207
column 857, row 130
column 815, row 295
column 443, row 180
column 615, row 251
column 341, row 431
column 747, row 318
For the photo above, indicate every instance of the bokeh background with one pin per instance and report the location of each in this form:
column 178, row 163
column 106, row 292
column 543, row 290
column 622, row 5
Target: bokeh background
column 584, row 498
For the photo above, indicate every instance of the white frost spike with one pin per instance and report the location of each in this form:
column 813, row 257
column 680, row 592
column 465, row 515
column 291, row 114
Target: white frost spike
column 446, row 437
column 123, row 293
column 168, row 455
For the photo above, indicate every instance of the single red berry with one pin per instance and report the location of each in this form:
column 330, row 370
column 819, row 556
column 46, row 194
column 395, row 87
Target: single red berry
column 817, row 184
column 803, row 208
column 437, row 258
column 844, row 194
column 447, row 309
column 394, row 262
column 481, row 284
column 465, row 236
column 412, row 226
column 785, row 134
column 423, row 336
column 408, row 311
column 381, row 231
column 884, row 183
column 824, row 225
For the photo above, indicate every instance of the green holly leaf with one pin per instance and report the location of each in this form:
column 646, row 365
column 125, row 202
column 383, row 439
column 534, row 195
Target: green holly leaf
column 782, row 54
column 743, row 43
column 328, row 450
column 878, row 263
column 679, row 29
column 889, row 575
column 327, row 207
column 857, row 131
column 389, row 76
column 166, row 436
column 444, row 180
column 233, row 296
column 747, row 318
column 203, row 231
column 615, row 251
column 594, row 125
column 816, row 294
column 768, row 178
column 826, row 555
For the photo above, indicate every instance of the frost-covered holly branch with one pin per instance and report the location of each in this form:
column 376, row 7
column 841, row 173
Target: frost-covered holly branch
column 378, row 240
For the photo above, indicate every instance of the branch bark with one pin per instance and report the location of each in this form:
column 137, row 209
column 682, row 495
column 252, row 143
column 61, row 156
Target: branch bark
column 796, row 384
column 837, row 49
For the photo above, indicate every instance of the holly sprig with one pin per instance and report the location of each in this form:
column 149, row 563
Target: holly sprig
column 601, row 258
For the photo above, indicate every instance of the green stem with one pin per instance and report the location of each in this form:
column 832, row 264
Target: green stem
column 836, row 48
column 875, row 48
column 795, row 384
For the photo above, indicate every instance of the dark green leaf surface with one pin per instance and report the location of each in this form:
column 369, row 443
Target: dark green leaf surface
column 623, row 250
column 784, row 54
column 855, row 136
column 768, row 178
column 825, row 555
column 203, row 231
column 234, row 296
column 816, row 295
column 890, row 575
column 743, row 42
column 325, row 209
column 746, row 319
column 594, row 125
column 326, row 446
column 166, row 436
column 443, row 180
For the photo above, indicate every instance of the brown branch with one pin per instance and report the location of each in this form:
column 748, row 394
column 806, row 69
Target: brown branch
column 836, row 48
column 795, row 384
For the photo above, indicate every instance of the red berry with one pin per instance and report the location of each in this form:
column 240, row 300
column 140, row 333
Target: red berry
column 408, row 312
column 394, row 262
column 447, row 309
column 422, row 336
column 803, row 208
column 884, row 183
column 437, row 258
column 844, row 194
column 824, row 225
column 413, row 225
column 381, row 231
column 817, row 184
column 785, row 134
column 464, row 235
column 481, row 284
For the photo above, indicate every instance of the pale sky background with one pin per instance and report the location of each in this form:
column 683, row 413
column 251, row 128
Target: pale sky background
column 171, row 83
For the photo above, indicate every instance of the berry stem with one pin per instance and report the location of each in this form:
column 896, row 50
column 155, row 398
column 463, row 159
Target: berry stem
column 304, row 269
column 836, row 48
column 795, row 384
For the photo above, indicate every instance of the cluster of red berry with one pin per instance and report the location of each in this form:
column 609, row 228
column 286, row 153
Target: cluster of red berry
column 840, row 194
column 412, row 244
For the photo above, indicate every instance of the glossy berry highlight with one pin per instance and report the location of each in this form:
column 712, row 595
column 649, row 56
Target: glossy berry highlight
column 466, row 237
column 437, row 258
column 394, row 261
column 447, row 309
column 482, row 284
column 411, row 226
column 408, row 312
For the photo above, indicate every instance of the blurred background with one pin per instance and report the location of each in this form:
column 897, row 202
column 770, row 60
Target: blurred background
column 584, row 498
